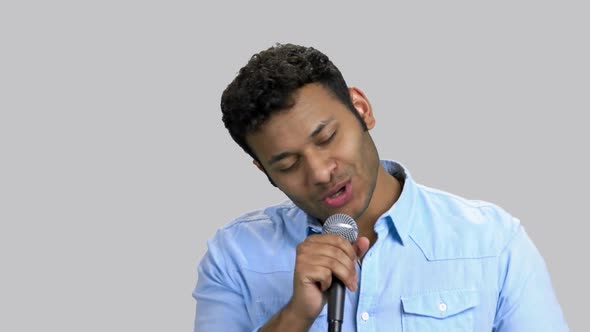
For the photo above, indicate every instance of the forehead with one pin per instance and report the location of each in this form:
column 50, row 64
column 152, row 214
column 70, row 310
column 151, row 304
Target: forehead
column 312, row 105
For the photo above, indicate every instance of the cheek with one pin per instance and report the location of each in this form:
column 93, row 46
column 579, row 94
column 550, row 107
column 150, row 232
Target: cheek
column 345, row 149
column 298, row 193
column 354, row 150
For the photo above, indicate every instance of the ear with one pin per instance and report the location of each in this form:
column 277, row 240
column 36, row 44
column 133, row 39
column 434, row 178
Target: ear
column 362, row 106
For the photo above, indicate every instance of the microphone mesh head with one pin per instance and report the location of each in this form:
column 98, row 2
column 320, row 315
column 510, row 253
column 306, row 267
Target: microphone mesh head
column 343, row 225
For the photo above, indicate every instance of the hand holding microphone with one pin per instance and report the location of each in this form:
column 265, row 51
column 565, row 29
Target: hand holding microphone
column 324, row 266
column 345, row 227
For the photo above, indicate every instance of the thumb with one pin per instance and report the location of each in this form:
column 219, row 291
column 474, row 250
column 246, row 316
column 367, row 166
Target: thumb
column 361, row 245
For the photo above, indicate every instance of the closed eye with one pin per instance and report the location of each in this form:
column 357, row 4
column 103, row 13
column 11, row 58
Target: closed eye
column 328, row 140
column 288, row 168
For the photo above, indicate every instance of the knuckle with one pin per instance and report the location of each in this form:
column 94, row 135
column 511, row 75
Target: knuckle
column 344, row 258
column 333, row 265
column 351, row 266
column 302, row 247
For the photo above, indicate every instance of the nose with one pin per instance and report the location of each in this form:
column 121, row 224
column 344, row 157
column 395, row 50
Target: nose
column 320, row 168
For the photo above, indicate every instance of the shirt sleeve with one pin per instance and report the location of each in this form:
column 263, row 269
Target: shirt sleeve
column 220, row 303
column 526, row 301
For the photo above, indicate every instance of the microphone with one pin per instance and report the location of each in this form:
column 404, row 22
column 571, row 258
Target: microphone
column 344, row 226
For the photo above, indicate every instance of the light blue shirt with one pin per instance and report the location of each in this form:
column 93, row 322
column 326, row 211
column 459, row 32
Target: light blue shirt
column 441, row 263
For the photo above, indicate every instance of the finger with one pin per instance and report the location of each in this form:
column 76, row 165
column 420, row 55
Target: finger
column 333, row 240
column 319, row 276
column 331, row 246
column 361, row 245
column 312, row 250
column 308, row 265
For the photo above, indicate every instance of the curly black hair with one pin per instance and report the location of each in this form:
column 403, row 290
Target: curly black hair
column 267, row 83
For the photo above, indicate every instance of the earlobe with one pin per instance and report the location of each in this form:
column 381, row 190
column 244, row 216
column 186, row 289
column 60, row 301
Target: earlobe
column 362, row 106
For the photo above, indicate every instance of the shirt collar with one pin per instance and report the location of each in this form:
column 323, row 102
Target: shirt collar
column 398, row 216
column 313, row 226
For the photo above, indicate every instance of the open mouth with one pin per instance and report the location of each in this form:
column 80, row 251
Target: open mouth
column 340, row 197
column 339, row 192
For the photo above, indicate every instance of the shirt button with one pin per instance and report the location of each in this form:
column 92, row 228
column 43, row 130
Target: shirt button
column 442, row 307
column 365, row 316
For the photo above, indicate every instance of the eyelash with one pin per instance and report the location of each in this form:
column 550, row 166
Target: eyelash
column 329, row 139
column 285, row 170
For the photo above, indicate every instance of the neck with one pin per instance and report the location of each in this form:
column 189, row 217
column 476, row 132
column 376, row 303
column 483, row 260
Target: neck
column 387, row 191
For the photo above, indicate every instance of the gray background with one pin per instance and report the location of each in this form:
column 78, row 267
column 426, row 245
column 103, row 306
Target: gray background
column 115, row 167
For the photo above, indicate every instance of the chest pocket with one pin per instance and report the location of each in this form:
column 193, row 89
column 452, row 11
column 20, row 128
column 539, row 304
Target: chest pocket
column 450, row 311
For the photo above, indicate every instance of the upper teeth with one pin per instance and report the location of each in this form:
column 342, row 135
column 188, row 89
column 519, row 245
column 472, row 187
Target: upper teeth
column 338, row 193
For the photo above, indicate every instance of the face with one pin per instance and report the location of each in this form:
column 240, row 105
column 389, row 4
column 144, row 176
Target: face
column 318, row 154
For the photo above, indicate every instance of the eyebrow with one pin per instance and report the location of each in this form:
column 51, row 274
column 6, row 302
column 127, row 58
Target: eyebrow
column 313, row 134
column 320, row 127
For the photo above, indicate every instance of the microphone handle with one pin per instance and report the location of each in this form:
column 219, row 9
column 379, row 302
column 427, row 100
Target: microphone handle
column 336, row 295
column 335, row 326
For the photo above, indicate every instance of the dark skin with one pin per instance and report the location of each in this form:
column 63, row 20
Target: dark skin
column 314, row 151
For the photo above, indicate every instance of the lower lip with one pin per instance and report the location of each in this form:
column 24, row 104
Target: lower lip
column 344, row 197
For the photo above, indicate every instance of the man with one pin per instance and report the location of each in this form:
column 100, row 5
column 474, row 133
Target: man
column 424, row 261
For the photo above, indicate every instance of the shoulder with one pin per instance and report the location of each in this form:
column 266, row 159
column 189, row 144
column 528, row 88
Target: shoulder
column 249, row 238
column 448, row 226
column 259, row 222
